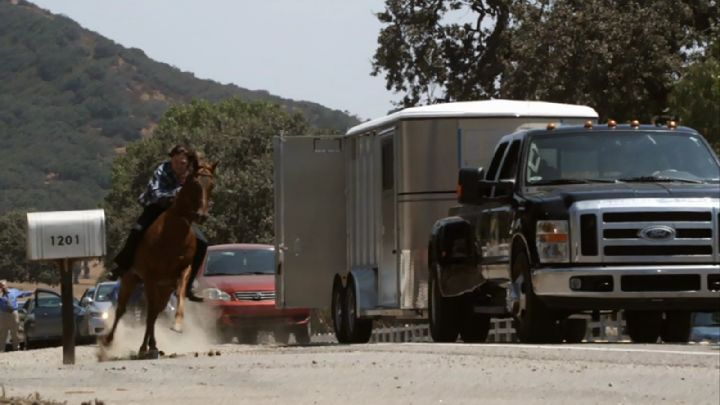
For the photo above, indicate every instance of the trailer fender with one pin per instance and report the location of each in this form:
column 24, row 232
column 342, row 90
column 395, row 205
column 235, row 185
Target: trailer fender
column 365, row 287
column 455, row 257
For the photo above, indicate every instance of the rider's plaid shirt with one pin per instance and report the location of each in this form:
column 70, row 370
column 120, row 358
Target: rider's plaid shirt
column 162, row 187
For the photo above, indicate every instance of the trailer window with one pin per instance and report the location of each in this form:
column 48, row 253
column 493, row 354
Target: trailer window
column 388, row 169
column 509, row 168
column 492, row 170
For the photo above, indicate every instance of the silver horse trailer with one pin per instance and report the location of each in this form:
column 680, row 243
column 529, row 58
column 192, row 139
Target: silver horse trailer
column 353, row 213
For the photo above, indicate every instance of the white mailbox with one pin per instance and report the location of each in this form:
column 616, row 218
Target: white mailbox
column 65, row 234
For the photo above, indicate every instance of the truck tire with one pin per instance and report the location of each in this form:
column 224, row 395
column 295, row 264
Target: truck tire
column 643, row 326
column 534, row 322
column 281, row 336
column 676, row 327
column 358, row 330
column 474, row 328
column 574, row 330
column 338, row 312
column 444, row 313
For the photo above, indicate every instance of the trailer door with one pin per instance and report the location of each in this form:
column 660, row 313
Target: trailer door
column 310, row 226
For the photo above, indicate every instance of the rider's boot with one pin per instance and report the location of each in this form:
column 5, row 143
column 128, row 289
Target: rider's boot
column 124, row 258
column 200, row 250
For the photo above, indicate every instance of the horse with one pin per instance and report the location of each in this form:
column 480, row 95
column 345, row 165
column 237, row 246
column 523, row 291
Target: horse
column 163, row 259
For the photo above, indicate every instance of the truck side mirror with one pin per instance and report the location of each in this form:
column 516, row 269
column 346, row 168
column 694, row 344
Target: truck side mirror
column 471, row 187
column 504, row 188
column 86, row 301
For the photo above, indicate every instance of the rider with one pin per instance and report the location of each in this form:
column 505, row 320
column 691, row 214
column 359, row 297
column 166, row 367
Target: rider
column 161, row 190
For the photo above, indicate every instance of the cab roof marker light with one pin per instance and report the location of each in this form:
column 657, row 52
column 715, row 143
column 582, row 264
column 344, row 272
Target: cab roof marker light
column 672, row 124
column 550, row 126
column 588, row 124
column 612, row 124
column 635, row 124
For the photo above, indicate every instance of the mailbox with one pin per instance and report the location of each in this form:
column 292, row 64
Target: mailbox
column 65, row 234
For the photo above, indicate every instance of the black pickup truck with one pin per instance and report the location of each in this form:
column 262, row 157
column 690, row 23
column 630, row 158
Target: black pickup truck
column 581, row 220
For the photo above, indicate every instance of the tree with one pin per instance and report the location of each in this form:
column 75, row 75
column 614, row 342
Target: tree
column 695, row 99
column 14, row 265
column 619, row 56
column 442, row 50
column 234, row 133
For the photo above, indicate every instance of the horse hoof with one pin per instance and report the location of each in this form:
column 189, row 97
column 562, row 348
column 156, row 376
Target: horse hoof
column 152, row 354
column 176, row 329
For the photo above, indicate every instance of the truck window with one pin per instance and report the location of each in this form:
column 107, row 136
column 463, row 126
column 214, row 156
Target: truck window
column 492, row 170
column 509, row 168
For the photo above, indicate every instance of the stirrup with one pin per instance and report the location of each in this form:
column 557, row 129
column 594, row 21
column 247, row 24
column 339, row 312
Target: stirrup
column 192, row 297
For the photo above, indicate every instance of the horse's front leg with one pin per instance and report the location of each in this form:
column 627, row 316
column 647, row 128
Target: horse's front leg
column 127, row 284
column 181, row 288
column 151, row 298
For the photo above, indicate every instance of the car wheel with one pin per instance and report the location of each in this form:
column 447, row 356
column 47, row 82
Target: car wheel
column 443, row 313
column 281, row 336
column 358, row 330
column 534, row 322
column 643, row 326
column 338, row 313
column 302, row 334
column 248, row 337
column 676, row 327
column 574, row 330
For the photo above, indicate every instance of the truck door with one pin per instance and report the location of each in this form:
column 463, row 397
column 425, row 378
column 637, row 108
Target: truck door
column 310, row 225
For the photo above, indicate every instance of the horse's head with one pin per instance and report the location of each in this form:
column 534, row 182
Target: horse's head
column 197, row 190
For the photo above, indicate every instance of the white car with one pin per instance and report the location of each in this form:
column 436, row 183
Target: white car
column 99, row 309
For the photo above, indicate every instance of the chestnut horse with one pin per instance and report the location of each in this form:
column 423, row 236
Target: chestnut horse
column 164, row 256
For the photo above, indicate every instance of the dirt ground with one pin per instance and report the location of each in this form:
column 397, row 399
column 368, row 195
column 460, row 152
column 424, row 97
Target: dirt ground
column 195, row 370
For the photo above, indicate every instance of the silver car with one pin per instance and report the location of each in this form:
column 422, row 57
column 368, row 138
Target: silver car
column 41, row 318
column 99, row 309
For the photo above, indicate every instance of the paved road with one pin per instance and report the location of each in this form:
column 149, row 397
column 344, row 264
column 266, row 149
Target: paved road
column 392, row 373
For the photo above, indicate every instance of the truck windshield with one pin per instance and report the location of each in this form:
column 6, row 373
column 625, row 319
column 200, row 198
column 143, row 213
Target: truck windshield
column 622, row 156
column 239, row 262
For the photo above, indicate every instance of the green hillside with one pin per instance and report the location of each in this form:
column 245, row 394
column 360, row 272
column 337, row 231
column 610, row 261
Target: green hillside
column 70, row 100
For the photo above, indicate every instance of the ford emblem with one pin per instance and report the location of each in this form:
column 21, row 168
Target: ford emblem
column 657, row 233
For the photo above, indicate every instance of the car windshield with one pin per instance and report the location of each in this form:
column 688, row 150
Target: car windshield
column 239, row 262
column 622, row 156
column 706, row 319
column 104, row 292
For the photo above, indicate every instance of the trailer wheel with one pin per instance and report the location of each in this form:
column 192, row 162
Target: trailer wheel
column 676, row 327
column 644, row 326
column 475, row 327
column 338, row 312
column 358, row 330
column 534, row 322
column 574, row 330
column 444, row 312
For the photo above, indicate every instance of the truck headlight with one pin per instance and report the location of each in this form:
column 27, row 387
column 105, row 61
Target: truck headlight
column 552, row 239
column 215, row 294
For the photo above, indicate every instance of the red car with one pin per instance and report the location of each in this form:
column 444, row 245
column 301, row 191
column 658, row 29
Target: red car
column 239, row 281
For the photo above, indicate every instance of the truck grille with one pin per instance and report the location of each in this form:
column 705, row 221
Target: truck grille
column 646, row 231
column 255, row 295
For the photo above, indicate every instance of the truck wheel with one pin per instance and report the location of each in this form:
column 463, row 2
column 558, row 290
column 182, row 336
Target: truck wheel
column 474, row 328
column 302, row 334
column 534, row 322
column 358, row 330
column 338, row 313
column 643, row 326
column 574, row 330
column 676, row 327
column 444, row 313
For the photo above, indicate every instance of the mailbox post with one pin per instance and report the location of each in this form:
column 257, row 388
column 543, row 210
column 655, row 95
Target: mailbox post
column 63, row 237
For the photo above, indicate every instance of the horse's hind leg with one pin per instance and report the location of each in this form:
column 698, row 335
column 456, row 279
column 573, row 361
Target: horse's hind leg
column 127, row 284
column 180, row 310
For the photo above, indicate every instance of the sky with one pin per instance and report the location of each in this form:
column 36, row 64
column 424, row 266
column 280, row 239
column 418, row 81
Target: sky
column 313, row 50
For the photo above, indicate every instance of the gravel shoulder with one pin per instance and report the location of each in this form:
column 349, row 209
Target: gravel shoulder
column 418, row 373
